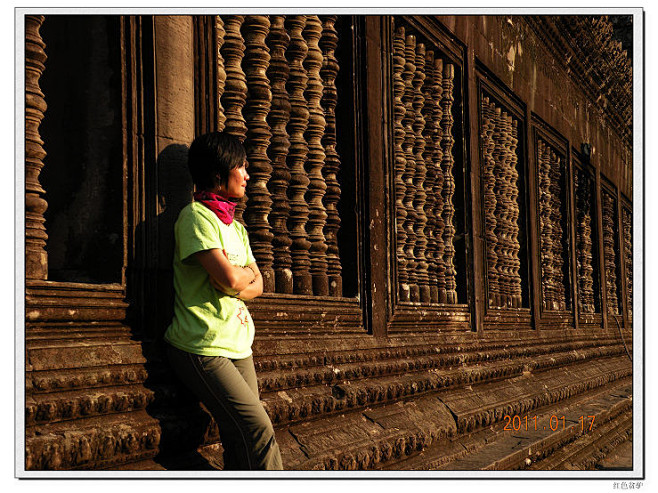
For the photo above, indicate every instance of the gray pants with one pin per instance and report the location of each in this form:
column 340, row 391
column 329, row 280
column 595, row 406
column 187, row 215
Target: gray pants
column 229, row 390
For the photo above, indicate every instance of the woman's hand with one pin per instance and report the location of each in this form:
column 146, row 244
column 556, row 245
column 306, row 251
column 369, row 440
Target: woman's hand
column 231, row 278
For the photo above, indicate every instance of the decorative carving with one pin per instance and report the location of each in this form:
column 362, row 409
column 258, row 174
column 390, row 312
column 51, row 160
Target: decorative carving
column 447, row 163
column 410, row 169
column 627, row 225
column 584, row 258
column 36, row 258
column 278, row 72
column 487, row 144
column 432, row 169
column 399, row 135
column 220, row 34
column 235, row 90
column 297, row 155
column 423, row 292
column 256, row 60
column 329, row 71
column 609, row 252
column 437, row 192
column 499, row 139
column 551, row 216
column 315, row 158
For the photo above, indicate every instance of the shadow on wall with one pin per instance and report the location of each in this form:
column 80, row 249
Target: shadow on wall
column 184, row 425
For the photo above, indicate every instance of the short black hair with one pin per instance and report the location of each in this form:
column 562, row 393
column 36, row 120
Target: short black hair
column 214, row 154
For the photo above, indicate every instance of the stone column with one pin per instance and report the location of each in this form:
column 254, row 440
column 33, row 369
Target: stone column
column 36, row 258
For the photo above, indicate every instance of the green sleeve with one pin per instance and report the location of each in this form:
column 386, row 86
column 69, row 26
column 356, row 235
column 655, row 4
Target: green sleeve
column 195, row 233
column 245, row 241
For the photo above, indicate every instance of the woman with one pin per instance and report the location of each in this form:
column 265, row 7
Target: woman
column 212, row 331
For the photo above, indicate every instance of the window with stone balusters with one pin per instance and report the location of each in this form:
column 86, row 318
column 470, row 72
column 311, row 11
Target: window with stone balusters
column 428, row 166
column 283, row 84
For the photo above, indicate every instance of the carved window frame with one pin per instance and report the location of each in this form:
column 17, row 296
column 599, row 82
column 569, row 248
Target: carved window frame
column 495, row 318
column 417, row 316
column 564, row 318
column 626, row 206
column 76, row 304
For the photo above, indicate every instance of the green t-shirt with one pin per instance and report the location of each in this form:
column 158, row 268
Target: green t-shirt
column 207, row 321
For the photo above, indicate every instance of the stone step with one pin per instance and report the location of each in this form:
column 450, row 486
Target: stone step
column 519, row 389
column 498, row 448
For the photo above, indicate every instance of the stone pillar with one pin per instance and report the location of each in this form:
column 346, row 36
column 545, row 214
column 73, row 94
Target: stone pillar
column 36, row 258
column 174, row 73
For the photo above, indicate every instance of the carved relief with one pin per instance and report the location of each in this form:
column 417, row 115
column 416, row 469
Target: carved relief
column 499, row 140
column 551, row 217
column 584, row 256
column 610, row 256
column 36, row 258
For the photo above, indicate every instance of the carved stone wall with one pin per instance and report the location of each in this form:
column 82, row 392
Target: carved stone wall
column 424, row 183
column 99, row 394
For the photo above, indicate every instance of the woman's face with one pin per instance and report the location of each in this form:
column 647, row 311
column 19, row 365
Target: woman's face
column 236, row 186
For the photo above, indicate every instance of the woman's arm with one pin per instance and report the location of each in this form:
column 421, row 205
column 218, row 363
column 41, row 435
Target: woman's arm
column 255, row 287
column 253, row 290
column 229, row 277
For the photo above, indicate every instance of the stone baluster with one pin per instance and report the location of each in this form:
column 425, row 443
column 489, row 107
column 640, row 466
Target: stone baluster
column 256, row 61
column 516, row 288
column 502, row 208
column 610, row 255
column 490, row 202
column 399, row 136
column 438, row 288
column 627, row 224
column 558, row 232
column 315, row 158
column 584, row 244
column 430, row 178
column 220, row 35
column 410, row 169
column 36, row 258
column 423, row 292
column 546, row 225
column 278, row 117
column 447, row 163
column 297, row 155
column 329, row 72
column 235, row 90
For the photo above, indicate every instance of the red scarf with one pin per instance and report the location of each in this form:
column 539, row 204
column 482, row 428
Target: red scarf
column 222, row 207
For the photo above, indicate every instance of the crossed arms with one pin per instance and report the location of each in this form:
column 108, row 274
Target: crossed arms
column 245, row 283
